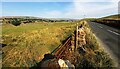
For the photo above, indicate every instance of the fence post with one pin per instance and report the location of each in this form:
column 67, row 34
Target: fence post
column 76, row 38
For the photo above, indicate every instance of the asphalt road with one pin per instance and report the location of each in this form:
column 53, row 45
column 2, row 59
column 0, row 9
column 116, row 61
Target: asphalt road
column 109, row 36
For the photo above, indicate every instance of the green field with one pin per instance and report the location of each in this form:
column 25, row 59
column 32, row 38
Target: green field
column 25, row 45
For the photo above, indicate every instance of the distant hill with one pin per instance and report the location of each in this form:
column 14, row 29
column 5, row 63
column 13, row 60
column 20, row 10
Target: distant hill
column 115, row 17
column 25, row 17
column 112, row 20
column 17, row 20
column 31, row 17
column 110, row 17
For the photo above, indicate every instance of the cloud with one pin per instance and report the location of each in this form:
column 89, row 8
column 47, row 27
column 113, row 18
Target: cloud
column 59, row 0
column 79, row 8
column 89, row 9
column 51, row 14
column 95, row 0
column 0, row 9
column 93, row 9
column 36, row 0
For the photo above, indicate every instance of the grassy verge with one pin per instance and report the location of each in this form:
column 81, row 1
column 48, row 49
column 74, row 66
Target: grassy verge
column 94, row 56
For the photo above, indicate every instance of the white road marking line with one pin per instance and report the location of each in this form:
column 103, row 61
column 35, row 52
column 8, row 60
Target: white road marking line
column 100, row 26
column 113, row 32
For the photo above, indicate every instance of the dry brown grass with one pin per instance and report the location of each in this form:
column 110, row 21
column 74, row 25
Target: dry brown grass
column 27, row 44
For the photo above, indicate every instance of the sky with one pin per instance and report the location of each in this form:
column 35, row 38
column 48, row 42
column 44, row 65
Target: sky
column 76, row 9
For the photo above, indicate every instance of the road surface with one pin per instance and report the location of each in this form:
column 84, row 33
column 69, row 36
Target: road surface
column 109, row 37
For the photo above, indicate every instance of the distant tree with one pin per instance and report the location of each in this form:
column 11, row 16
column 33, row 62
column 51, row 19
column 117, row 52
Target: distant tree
column 16, row 22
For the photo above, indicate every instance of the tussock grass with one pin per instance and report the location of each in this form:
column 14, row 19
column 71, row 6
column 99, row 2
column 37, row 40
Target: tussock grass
column 27, row 43
column 94, row 57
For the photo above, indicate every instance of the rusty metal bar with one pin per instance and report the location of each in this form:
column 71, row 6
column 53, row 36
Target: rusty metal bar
column 62, row 49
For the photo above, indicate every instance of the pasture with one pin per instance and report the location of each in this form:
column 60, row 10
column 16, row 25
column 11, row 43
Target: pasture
column 25, row 45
